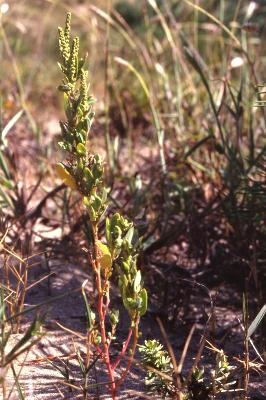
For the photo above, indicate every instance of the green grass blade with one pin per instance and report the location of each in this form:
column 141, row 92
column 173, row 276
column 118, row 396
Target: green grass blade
column 256, row 321
column 19, row 390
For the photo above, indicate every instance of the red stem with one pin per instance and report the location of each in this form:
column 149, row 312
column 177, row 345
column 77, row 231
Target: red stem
column 102, row 313
column 103, row 290
column 131, row 358
column 123, row 351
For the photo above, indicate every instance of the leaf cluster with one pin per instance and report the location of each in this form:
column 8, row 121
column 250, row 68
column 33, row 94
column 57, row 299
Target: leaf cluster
column 155, row 356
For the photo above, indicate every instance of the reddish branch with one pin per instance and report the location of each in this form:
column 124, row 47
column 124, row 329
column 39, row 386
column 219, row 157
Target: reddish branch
column 103, row 290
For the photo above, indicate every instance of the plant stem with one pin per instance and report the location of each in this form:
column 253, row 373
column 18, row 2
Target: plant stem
column 123, row 351
column 133, row 350
column 102, row 311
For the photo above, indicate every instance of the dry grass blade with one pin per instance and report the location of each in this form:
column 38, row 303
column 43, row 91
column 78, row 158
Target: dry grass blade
column 43, row 303
column 77, row 334
column 168, row 344
column 185, row 350
column 254, row 325
column 156, row 118
column 216, row 20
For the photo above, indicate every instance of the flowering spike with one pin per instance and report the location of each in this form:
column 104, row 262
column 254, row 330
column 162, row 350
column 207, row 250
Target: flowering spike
column 73, row 61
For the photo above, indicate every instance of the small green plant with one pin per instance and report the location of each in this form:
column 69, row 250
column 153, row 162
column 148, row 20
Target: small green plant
column 156, row 357
column 202, row 387
column 161, row 375
column 117, row 254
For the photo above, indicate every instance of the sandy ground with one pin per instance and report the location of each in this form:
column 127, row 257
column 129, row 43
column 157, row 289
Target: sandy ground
column 41, row 381
column 38, row 378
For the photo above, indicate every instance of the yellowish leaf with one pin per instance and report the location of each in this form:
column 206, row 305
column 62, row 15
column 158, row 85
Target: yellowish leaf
column 105, row 258
column 66, row 177
column 106, row 261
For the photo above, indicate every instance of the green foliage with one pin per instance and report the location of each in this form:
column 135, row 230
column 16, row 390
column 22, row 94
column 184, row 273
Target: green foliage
column 154, row 355
column 202, row 387
column 160, row 377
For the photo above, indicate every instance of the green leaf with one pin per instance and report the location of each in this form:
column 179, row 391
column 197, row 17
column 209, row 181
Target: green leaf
column 2, row 311
column 88, row 175
column 90, row 313
column 107, row 230
column 64, row 88
column 97, row 171
column 81, row 363
column 81, row 149
column 127, row 301
column 19, row 390
column 4, row 167
column 96, row 203
column 7, row 199
column 114, row 317
column 33, row 330
column 129, row 235
column 7, row 183
column 144, row 302
column 137, row 282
